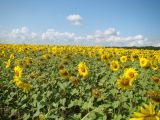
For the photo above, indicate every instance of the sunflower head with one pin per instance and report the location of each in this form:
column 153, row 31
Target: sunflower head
column 155, row 79
column 46, row 56
column 144, row 63
column 12, row 56
column 82, row 69
column 114, row 65
column 25, row 86
column 131, row 73
column 124, row 83
column 18, row 71
column 8, row 63
column 104, row 57
column 96, row 93
column 74, row 80
column 123, row 59
column 154, row 96
column 134, row 57
column 154, row 66
column 64, row 73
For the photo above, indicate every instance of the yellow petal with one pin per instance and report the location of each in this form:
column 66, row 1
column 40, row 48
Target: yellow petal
column 136, row 119
column 137, row 114
column 144, row 111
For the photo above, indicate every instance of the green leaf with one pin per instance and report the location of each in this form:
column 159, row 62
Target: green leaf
column 26, row 116
column 118, row 117
column 115, row 104
column 63, row 101
column 13, row 111
column 37, row 113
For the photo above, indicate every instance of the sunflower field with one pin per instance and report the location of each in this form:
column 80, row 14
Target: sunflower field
column 42, row 82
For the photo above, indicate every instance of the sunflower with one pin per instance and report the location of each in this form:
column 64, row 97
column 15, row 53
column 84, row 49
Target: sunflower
column 154, row 96
column 17, row 81
column 42, row 116
column 104, row 57
column 134, row 57
column 47, row 56
column 144, row 62
column 82, row 69
column 74, row 80
column 114, row 65
column 12, row 56
column 155, row 79
column 154, row 66
column 18, row 71
column 8, row 63
column 131, row 73
column 25, row 86
column 96, row 93
column 64, row 73
column 124, row 83
column 123, row 59
column 147, row 113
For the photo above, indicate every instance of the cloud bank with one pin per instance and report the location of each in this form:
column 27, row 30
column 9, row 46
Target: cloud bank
column 107, row 37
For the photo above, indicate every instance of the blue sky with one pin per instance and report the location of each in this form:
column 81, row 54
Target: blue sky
column 127, row 18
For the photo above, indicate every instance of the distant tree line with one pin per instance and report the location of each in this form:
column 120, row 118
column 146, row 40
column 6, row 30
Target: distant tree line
column 135, row 47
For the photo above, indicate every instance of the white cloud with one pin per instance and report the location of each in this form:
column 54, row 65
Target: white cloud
column 108, row 37
column 22, row 33
column 55, row 36
column 75, row 19
column 112, row 36
column 107, row 32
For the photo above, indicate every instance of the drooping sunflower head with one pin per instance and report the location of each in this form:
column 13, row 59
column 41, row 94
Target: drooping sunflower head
column 74, row 80
column 114, row 65
column 96, row 93
column 154, row 96
column 124, row 83
column 18, row 71
column 146, row 113
column 123, row 59
column 155, row 79
column 131, row 73
column 134, row 57
column 64, row 73
column 82, row 69
column 25, row 86
column 144, row 63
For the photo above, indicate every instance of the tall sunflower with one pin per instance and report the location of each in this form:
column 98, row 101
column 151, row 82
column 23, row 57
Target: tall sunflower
column 114, row 65
column 131, row 73
column 82, row 69
column 146, row 113
column 124, row 83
